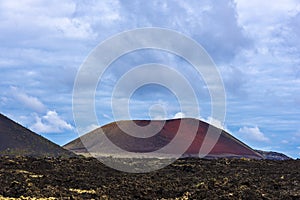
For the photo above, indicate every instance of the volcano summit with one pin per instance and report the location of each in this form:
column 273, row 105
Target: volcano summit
column 191, row 130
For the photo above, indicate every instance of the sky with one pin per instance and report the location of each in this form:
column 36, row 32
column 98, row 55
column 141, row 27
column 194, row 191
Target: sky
column 254, row 44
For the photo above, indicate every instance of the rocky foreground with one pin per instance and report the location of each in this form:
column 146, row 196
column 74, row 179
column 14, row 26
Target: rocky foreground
column 87, row 178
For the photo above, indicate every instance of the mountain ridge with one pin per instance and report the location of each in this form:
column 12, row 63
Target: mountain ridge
column 17, row 140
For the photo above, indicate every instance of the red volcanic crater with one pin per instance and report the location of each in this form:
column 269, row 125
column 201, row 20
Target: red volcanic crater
column 187, row 135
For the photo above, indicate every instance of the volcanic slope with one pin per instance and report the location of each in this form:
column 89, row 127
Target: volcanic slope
column 16, row 140
column 183, row 131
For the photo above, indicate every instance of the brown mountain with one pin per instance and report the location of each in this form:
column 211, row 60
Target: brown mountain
column 226, row 146
column 16, row 140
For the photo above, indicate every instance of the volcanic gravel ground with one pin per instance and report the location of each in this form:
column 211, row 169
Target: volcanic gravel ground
column 87, row 178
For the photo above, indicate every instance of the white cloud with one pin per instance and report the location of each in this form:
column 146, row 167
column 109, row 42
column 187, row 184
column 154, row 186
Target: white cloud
column 74, row 28
column 158, row 111
column 29, row 101
column 284, row 141
column 215, row 122
column 43, row 24
column 270, row 27
column 268, row 19
column 104, row 12
column 179, row 115
column 50, row 123
column 209, row 22
column 253, row 134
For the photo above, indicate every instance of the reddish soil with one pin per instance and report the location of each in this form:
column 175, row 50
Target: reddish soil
column 87, row 178
column 192, row 129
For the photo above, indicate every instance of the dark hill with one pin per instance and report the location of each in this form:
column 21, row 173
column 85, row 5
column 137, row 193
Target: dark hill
column 16, row 140
column 226, row 146
column 271, row 155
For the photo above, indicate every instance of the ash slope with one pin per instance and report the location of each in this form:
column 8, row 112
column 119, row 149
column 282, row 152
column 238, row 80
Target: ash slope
column 16, row 140
column 226, row 145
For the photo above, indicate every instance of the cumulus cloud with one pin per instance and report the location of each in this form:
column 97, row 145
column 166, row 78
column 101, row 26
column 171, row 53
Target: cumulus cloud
column 210, row 23
column 215, row 122
column 30, row 102
column 50, row 123
column 253, row 134
column 179, row 115
column 272, row 28
column 39, row 17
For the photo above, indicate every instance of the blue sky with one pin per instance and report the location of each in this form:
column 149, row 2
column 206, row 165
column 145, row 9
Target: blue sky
column 255, row 45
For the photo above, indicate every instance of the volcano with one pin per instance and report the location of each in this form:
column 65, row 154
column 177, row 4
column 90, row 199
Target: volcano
column 16, row 140
column 202, row 138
